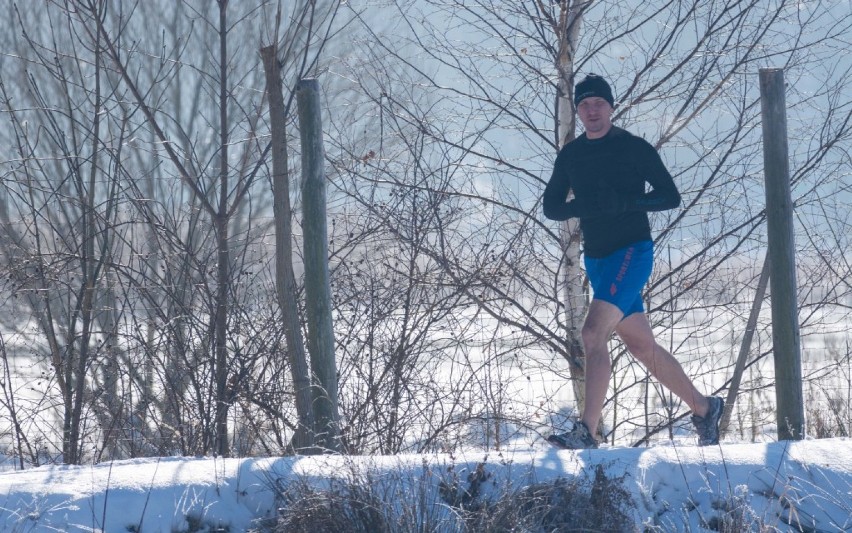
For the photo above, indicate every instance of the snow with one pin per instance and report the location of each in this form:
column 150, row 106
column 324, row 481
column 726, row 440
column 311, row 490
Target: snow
column 677, row 486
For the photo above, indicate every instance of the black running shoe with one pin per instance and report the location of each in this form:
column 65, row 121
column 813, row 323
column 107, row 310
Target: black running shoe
column 707, row 426
column 577, row 438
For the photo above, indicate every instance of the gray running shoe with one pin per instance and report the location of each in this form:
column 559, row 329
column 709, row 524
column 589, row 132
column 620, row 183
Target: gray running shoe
column 577, row 438
column 707, row 426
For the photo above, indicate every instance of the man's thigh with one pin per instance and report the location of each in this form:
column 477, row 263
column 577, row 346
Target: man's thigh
column 620, row 277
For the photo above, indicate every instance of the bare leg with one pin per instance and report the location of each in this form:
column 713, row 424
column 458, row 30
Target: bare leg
column 638, row 336
column 597, row 331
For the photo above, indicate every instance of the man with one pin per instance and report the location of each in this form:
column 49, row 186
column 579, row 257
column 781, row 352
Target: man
column 607, row 169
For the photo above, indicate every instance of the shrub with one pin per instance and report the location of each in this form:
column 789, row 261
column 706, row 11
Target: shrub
column 452, row 504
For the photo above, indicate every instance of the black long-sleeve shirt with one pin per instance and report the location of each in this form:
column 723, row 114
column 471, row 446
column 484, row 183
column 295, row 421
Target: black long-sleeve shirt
column 618, row 163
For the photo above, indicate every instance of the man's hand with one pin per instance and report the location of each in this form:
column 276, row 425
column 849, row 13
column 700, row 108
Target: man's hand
column 608, row 202
column 579, row 209
column 603, row 202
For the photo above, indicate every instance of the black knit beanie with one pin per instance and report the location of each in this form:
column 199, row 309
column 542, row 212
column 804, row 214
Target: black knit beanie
column 593, row 85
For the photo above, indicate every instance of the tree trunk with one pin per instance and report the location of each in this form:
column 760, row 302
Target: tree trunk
column 575, row 298
column 221, row 221
column 285, row 279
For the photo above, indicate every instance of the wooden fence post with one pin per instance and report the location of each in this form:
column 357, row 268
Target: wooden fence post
column 782, row 274
column 317, row 285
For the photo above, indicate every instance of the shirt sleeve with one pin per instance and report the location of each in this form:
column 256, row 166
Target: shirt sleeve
column 663, row 194
column 554, row 201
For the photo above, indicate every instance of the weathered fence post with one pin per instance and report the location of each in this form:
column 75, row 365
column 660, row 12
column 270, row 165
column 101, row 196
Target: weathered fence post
column 317, row 285
column 782, row 274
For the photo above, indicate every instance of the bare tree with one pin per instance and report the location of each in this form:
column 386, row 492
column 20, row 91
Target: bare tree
column 397, row 304
column 285, row 278
column 62, row 230
column 213, row 190
column 187, row 261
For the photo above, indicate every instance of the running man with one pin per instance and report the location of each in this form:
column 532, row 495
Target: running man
column 607, row 168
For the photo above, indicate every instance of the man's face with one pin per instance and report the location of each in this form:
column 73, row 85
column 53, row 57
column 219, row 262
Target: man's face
column 596, row 115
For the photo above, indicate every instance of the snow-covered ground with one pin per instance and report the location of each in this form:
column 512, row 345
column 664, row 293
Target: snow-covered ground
column 677, row 486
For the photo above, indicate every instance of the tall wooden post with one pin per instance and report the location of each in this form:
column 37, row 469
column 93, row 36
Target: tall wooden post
column 317, row 285
column 782, row 274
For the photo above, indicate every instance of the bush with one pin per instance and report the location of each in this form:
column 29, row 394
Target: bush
column 365, row 504
column 564, row 505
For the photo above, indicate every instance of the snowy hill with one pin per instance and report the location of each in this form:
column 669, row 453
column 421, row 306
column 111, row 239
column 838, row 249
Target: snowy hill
column 670, row 488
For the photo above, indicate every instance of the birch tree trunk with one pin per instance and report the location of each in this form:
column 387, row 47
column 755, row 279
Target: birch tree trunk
column 575, row 297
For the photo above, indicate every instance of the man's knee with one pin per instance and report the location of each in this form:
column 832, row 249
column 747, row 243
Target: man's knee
column 642, row 348
column 594, row 336
column 600, row 324
column 637, row 335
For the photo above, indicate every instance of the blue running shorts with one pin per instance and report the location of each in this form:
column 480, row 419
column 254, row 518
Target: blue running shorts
column 620, row 277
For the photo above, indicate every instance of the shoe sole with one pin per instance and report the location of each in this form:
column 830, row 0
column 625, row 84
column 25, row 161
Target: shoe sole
column 557, row 443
